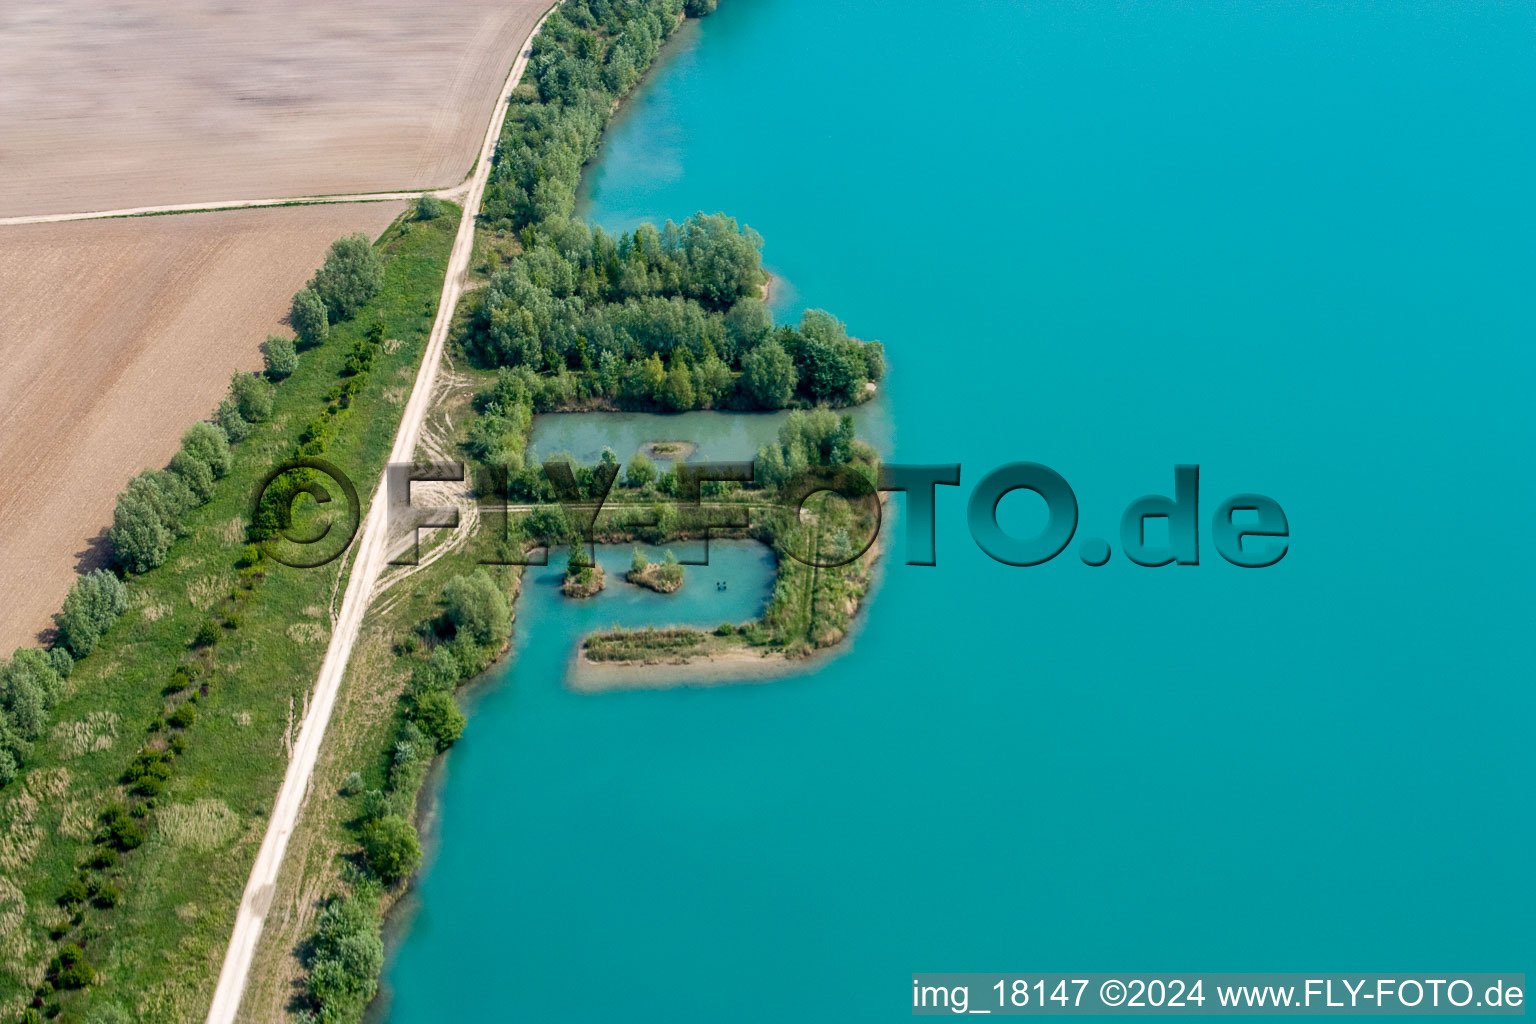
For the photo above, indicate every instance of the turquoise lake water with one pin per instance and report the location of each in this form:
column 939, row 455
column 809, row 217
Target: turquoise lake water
column 1291, row 242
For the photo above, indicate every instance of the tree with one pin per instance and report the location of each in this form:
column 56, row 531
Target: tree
column 94, row 603
column 348, row 955
column 428, row 207
column 438, row 717
column 640, row 471
column 711, row 380
column 147, row 519
column 477, row 608
column 768, row 374
column 252, row 395
column 747, row 323
column 349, row 277
column 208, row 444
column 678, row 391
column 309, row 318
column 391, row 847
column 230, row 421
column 280, row 356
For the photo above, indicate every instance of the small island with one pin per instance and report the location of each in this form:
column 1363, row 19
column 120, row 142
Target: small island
column 582, row 578
column 664, row 577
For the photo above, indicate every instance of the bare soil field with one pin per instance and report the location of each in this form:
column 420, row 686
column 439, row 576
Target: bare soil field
column 149, row 102
column 115, row 336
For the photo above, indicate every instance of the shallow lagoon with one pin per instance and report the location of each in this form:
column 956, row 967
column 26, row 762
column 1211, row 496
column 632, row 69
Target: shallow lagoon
column 719, row 436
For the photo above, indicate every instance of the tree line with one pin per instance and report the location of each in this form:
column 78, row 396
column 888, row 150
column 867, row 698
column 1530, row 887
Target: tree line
column 667, row 317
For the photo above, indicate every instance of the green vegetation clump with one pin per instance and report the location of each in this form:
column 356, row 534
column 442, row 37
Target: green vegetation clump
column 477, row 608
column 94, row 603
column 348, row 955
column 391, row 847
column 667, row 317
column 428, row 207
column 351, row 275
column 280, row 356
column 308, row 315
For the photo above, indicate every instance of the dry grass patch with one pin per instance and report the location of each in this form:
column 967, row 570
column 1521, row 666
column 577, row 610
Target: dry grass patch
column 94, row 732
column 203, row 826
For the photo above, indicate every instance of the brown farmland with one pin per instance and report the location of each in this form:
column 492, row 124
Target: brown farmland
column 152, row 102
column 115, row 336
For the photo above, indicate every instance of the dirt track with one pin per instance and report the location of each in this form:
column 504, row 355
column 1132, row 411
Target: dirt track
column 148, row 102
column 115, row 336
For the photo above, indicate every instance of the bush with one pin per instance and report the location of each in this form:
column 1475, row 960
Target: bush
column 94, row 603
column 121, row 831
column 108, row 896
column 228, row 417
column 147, row 519
column 350, row 276
column 71, row 969
column 103, row 858
column 640, row 471
column 348, row 955
column 183, row 716
column 208, row 444
column 769, row 376
column 725, row 629
column 308, row 318
column 252, row 395
column 352, row 784
column 207, row 634
column 429, row 207
column 280, row 357
column 477, row 608
column 74, row 894
column 391, row 847
column 438, row 717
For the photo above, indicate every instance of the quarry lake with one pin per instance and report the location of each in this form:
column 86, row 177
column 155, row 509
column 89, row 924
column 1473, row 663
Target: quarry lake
column 1287, row 242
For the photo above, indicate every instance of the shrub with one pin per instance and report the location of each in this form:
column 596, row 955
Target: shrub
column 348, row 955
column 207, row 634
column 438, row 717
column 252, row 395
column 352, row 784
column 94, row 603
column 147, row 519
column 208, row 444
column 103, row 858
column 228, row 417
column 121, row 831
column 725, row 629
column 640, row 471
column 429, row 207
column 769, row 375
column 108, row 896
column 391, row 847
column 71, row 969
column 477, row 608
column 350, row 276
column 148, row 772
column 309, row 318
column 249, row 555
column 280, row 357
column 183, row 716
column 74, row 894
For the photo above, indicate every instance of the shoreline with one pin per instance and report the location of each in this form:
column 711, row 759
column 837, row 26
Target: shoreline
column 736, row 664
